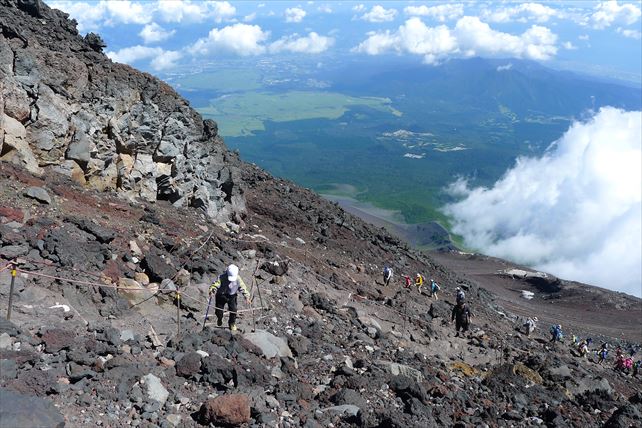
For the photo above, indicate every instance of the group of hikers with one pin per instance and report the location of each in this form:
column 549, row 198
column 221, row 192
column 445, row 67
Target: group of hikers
column 227, row 285
column 581, row 348
column 460, row 314
column 407, row 282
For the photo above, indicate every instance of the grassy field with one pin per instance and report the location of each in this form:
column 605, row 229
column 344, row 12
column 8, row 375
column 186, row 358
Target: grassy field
column 245, row 113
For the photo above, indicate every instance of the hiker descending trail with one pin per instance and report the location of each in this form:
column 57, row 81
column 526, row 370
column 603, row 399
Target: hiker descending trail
column 434, row 289
column 603, row 353
column 583, row 347
column 419, row 282
column 529, row 325
column 226, row 287
column 461, row 296
column 556, row 333
column 407, row 281
column 461, row 315
column 387, row 275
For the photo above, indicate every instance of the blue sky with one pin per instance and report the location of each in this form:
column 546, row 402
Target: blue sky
column 158, row 36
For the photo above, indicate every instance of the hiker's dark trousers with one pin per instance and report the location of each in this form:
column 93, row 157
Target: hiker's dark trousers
column 230, row 300
column 460, row 325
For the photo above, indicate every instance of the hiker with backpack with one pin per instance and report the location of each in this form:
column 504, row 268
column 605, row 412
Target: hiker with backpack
column 529, row 325
column 407, row 281
column 583, row 347
column 556, row 333
column 602, row 353
column 226, row 288
column 434, row 289
column 387, row 275
column 419, row 282
column 461, row 315
column 461, row 296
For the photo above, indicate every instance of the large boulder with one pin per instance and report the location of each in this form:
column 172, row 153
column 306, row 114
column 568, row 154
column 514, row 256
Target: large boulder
column 229, row 409
column 18, row 410
column 269, row 344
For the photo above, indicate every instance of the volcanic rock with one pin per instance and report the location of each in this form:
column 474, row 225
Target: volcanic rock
column 229, row 409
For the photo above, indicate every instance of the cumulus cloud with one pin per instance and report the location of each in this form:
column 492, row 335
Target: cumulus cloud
column 239, row 39
column 379, row 14
column 359, row 8
column 575, row 212
column 569, row 46
column 610, row 12
column 294, row 14
column 195, row 11
column 469, row 37
column 311, row 44
column 523, row 12
column 154, row 33
column 325, row 9
column 442, row 12
column 160, row 58
column 91, row 16
column 632, row 34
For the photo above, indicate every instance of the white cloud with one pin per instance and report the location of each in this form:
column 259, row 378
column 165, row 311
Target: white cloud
column 575, row 212
column 610, row 12
column 379, row 14
column 89, row 16
column 359, row 8
column 442, row 12
column 165, row 60
column 239, row 39
column 311, row 44
column 632, row 34
column 523, row 12
column 294, row 14
column 324, row 9
column 249, row 18
column 569, row 46
column 583, row 37
column 505, row 67
column 154, row 33
column 469, row 37
column 128, row 12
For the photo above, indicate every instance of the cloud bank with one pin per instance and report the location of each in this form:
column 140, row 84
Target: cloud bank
column 469, row 37
column 575, row 212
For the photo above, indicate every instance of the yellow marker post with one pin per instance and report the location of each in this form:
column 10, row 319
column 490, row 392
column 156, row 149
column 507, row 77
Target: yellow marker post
column 14, row 272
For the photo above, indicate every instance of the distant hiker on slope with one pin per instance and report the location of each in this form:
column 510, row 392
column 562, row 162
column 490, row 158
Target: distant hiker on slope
column 556, row 333
column 583, row 347
column 461, row 296
column 407, row 281
column 603, row 353
column 529, row 325
column 434, row 289
column 226, row 287
column 419, row 282
column 461, row 315
column 387, row 275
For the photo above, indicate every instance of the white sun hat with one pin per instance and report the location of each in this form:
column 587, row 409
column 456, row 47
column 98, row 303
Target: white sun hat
column 232, row 272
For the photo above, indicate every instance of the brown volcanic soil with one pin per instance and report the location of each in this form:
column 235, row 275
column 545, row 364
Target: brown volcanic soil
column 580, row 308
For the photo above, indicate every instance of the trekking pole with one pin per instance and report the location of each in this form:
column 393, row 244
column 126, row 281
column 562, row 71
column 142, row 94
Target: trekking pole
column 207, row 310
column 13, row 280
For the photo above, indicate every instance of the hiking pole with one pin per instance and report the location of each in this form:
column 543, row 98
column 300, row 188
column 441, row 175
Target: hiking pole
column 207, row 311
column 13, row 280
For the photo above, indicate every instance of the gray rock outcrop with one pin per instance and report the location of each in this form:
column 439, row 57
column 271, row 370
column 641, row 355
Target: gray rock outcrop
column 65, row 106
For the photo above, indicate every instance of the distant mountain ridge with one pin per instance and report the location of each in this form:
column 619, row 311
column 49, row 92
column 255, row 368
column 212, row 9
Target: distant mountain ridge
column 525, row 87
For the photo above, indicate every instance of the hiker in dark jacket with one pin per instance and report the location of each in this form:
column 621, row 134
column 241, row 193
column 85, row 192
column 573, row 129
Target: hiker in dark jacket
column 461, row 315
column 226, row 287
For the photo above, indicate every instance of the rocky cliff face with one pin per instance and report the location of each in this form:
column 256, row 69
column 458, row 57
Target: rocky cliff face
column 65, row 106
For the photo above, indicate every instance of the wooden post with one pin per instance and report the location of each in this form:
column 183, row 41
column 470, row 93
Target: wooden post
column 13, row 280
column 178, row 313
